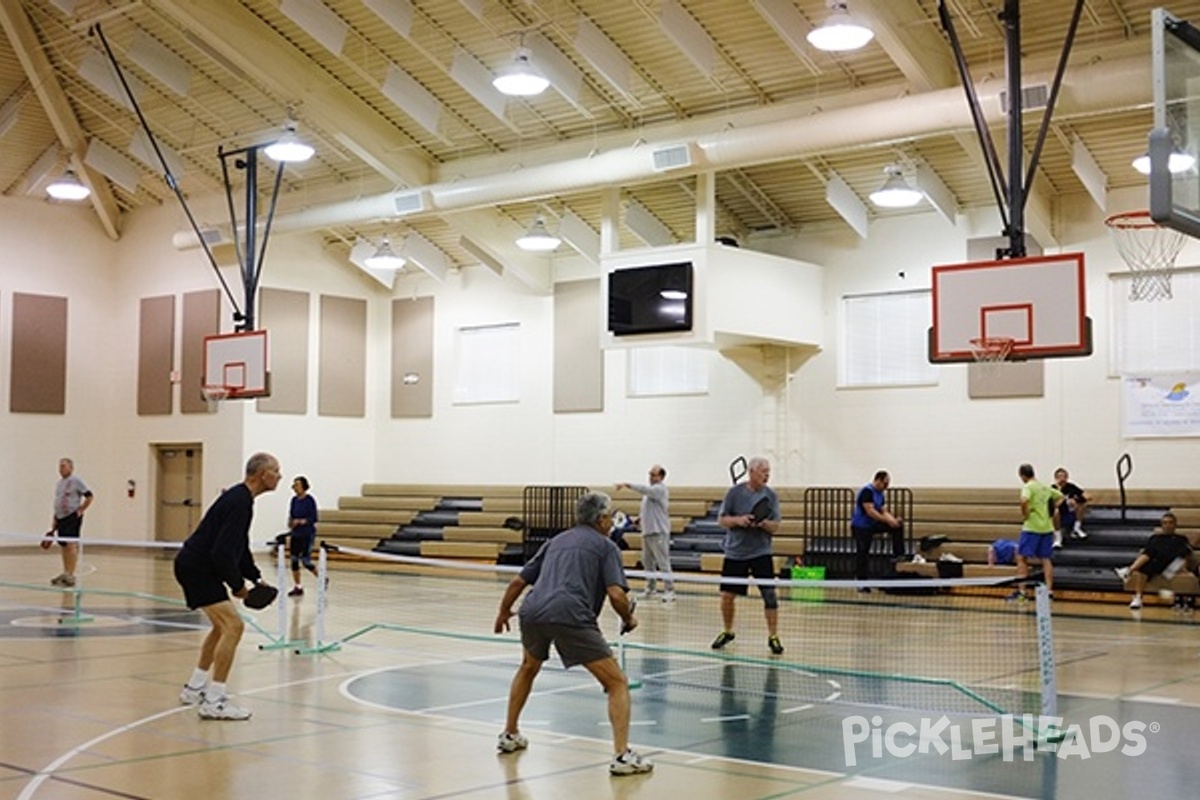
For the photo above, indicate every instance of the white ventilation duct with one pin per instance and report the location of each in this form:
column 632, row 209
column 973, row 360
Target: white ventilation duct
column 1099, row 87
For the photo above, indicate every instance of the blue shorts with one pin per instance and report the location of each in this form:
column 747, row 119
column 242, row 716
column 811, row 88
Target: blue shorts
column 1036, row 545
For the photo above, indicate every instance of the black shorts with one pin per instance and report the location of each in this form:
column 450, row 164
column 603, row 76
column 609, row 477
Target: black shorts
column 762, row 568
column 200, row 583
column 68, row 527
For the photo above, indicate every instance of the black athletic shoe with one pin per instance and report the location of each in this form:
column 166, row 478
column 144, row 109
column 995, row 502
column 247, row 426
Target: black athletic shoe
column 723, row 638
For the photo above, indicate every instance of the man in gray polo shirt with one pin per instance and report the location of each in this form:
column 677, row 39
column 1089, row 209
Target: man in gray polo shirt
column 654, row 520
column 71, row 498
column 571, row 576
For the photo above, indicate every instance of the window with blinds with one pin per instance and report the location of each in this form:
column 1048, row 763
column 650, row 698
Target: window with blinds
column 884, row 340
column 1155, row 336
column 659, row 371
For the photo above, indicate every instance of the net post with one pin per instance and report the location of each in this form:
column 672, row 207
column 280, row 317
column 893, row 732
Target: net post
column 77, row 617
column 280, row 641
column 320, row 645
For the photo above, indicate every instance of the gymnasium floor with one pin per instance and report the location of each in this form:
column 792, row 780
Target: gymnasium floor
column 89, row 707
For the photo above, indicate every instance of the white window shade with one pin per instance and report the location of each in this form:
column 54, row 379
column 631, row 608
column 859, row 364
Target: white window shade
column 1156, row 336
column 661, row 371
column 885, row 340
column 489, row 364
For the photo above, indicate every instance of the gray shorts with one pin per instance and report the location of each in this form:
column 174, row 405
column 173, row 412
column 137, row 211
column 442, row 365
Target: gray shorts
column 575, row 645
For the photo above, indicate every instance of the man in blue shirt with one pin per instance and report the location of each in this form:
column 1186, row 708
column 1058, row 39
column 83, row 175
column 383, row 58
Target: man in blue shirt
column 748, row 549
column 871, row 517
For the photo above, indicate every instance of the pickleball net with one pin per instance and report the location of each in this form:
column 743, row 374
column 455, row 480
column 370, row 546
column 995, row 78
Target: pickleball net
column 953, row 646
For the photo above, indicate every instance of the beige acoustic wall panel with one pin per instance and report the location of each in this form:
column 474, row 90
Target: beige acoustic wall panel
column 342, row 382
column 156, row 351
column 201, row 317
column 412, row 357
column 284, row 315
column 38, row 384
column 578, row 358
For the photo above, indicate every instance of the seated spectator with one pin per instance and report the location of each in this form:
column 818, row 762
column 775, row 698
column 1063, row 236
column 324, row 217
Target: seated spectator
column 1002, row 551
column 1071, row 509
column 1166, row 552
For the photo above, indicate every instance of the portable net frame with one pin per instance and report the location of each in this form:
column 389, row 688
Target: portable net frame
column 952, row 646
column 1149, row 249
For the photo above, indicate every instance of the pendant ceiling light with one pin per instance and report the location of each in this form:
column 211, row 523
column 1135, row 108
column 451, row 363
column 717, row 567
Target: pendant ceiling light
column 538, row 239
column 68, row 187
column 840, row 31
column 289, row 148
column 521, row 77
column 896, row 191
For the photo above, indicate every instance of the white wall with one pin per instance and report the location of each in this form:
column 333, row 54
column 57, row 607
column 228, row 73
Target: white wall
column 937, row 435
column 56, row 250
column 815, row 432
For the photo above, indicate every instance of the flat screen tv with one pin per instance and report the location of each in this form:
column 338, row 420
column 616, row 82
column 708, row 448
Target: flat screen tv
column 654, row 299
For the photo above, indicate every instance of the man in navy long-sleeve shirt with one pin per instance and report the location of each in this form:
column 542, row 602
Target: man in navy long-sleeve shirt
column 213, row 563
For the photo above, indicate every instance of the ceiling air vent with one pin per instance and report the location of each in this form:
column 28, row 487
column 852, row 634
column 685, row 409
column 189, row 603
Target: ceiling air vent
column 1032, row 97
column 408, row 202
column 672, row 157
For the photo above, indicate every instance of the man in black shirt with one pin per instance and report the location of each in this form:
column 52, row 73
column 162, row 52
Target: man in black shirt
column 213, row 563
column 1165, row 553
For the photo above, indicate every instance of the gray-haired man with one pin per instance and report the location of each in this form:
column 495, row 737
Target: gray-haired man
column 571, row 576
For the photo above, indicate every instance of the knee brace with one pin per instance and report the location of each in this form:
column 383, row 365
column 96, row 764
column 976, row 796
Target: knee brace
column 770, row 597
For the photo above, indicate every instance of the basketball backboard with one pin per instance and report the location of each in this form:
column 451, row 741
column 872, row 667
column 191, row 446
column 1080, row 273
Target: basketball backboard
column 1174, row 142
column 1039, row 303
column 236, row 363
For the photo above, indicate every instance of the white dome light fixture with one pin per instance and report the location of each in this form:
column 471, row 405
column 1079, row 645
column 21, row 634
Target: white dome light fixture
column 1177, row 163
column 840, row 31
column 68, row 187
column 384, row 257
column 288, row 148
column 538, row 239
column 521, row 77
column 896, row 191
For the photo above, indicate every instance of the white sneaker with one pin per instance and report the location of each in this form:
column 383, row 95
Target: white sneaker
column 668, row 597
column 511, row 742
column 222, row 708
column 649, row 593
column 1079, row 533
column 1057, row 539
column 190, row 696
column 1122, row 573
column 629, row 763
column 1136, row 602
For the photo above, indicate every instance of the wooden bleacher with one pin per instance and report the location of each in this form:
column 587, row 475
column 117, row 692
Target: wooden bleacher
column 970, row 517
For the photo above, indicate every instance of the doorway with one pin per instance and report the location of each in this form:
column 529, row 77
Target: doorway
column 179, row 469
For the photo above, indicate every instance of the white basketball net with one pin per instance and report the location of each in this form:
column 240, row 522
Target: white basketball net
column 214, row 394
column 991, row 351
column 1149, row 249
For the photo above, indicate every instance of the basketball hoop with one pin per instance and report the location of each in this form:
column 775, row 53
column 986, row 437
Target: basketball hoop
column 213, row 395
column 991, row 351
column 1149, row 249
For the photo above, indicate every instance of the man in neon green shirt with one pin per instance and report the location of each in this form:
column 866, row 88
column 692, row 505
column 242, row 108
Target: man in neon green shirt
column 1037, row 533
